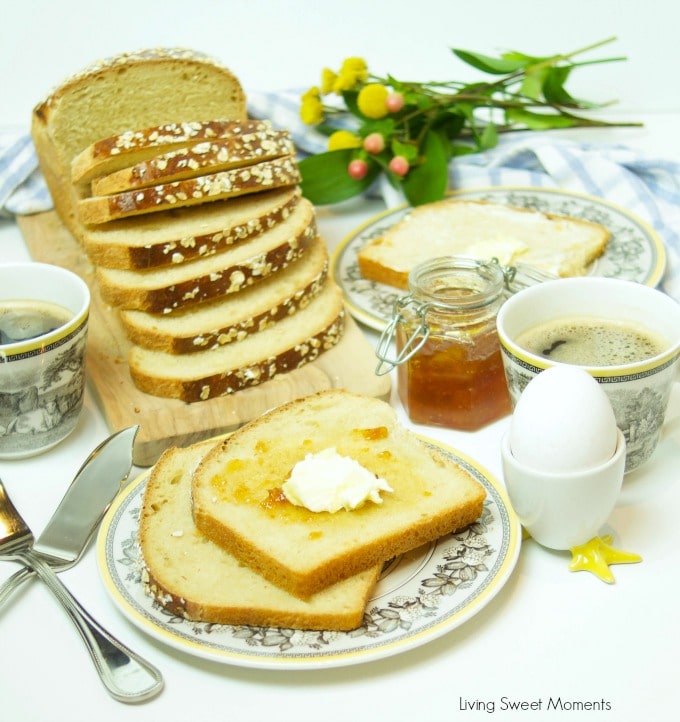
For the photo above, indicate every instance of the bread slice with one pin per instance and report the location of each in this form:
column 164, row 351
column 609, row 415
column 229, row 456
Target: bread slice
column 130, row 90
column 193, row 578
column 162, row 290
column 556, row 244
column 184, row 234
column 231, row 318
column 289, row 344
column 255, row 178
column 238, row 503
column 234, row 151
column 111, row 154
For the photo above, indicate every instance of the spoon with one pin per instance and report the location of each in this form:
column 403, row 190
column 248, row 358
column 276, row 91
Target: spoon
column 68, row 533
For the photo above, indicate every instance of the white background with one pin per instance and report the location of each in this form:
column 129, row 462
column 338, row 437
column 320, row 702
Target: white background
column 276, row 44
column 548, row 632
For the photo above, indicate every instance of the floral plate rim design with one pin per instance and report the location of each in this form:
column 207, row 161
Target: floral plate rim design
column 634, row 252
column 432, row 591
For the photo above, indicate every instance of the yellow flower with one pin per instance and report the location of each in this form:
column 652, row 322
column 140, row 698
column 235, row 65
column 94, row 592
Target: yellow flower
column 311, row 108
column 342, row 139
column 328, row 78
column 371, row 100
column 356, row 66
column 352, row 72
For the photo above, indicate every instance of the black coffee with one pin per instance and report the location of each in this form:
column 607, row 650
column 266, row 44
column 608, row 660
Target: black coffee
column 24, row 319
column 591, row 341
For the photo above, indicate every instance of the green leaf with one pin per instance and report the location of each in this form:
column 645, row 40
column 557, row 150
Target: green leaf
column 553, row 87
column 429, row 181
column 489, row 137
column 532, row 84
column 325, row 179
column 408, row 150
column 538, row 121
column 487, row 64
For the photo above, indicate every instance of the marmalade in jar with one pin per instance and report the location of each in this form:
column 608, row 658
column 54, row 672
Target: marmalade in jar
column 447, row 383
column 454, row 377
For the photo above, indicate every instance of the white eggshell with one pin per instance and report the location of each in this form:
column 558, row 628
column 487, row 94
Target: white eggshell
column 563, row 422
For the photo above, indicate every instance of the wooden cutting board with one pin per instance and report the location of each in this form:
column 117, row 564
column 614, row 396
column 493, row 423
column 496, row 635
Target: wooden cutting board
column 167, row 422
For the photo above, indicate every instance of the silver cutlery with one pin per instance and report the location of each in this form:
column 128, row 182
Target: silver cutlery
column 126, row 676
column 88, row 497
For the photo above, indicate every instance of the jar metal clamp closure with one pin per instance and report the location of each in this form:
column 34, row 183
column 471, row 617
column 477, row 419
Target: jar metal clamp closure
column 514, row 279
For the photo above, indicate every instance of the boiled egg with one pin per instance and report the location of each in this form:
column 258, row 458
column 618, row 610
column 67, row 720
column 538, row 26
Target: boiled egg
column 563, row 422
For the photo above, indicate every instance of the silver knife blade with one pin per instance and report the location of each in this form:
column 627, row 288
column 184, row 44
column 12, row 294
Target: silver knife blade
column 87, row 499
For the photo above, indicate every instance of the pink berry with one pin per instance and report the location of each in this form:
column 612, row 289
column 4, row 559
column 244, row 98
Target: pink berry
column 399, row 165
column 374, row 143
column 394, row 102
column 357, row 169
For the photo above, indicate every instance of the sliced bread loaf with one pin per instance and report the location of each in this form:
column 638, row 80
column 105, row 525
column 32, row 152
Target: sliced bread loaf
column 255, row 178
column 193, row 578
column 108, row 155
column 239, row 504
column 231, row 318
column 184, row 234
column 165, row 289
column 131, row 90
column 289, row 344
column 234, row 151
column 556, row 244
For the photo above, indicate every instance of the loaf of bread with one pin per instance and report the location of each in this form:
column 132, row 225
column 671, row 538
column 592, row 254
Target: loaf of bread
column 128, row 91
column 231, row 318
column 291, row 343
column 233, row 151
column 136, row 145
column 263, row 176
column 193, row 578
column 184, row 234
column 161, row 290
column 556, row 244
column 238, row 501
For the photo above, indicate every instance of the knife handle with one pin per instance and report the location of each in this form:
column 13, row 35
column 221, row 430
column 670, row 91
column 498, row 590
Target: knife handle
column 126, row 676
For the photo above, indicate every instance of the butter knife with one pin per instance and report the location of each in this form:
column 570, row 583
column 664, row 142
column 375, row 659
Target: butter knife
column 83, row 506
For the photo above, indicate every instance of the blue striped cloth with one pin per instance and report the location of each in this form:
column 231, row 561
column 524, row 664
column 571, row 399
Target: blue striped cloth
column 647, row 187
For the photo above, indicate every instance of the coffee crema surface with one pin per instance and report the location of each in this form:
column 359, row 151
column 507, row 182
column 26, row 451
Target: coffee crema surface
column 25, row 319
column 587, row 341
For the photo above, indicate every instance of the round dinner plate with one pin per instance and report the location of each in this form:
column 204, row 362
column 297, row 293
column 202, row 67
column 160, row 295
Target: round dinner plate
column 420, row 596
column 634, row 252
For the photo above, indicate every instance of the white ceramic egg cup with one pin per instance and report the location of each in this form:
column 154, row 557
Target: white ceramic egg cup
column 562, row 510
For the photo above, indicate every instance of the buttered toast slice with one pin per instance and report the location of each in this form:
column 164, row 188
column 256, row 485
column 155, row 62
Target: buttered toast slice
column 556, row 244
column 196, row 579
column 238, row 501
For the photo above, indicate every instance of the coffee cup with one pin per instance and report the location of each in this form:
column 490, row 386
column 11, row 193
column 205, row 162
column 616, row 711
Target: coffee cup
column 44, row 313
column 588, row 322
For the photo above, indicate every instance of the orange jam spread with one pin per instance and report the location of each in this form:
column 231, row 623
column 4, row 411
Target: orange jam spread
column 373, row 434
column 275, row 498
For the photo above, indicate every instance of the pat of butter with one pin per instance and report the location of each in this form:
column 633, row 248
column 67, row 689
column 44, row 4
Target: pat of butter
column 506, row 250
column 327, row 481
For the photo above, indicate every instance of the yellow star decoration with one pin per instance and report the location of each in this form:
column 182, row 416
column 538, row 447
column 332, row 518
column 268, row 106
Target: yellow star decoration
column 596, row 555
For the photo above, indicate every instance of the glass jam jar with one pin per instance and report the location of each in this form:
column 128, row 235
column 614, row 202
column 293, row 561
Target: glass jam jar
column 449, row 367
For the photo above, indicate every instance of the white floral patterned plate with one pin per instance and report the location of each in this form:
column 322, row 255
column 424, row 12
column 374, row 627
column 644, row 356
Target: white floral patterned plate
column 634, row 252
column 420, row 596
